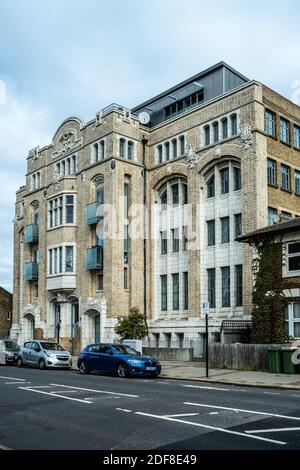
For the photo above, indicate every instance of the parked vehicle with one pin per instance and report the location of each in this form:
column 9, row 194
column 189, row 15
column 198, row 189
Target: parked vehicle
column 11, row 350
column 44, row 354
column 117, row 358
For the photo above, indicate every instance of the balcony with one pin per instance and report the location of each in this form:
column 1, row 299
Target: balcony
column 94, row 258
column 92, row 213
column 31, row 271
column 32, row 233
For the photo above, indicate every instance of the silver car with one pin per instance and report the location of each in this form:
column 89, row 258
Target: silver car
column 44, row 354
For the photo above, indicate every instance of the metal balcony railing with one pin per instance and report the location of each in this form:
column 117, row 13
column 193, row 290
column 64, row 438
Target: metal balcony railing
column 94, row 258
column 31, row 271
column 31, row 233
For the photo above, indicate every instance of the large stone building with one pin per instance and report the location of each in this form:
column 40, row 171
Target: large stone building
column 6, row 301
column 212, row 157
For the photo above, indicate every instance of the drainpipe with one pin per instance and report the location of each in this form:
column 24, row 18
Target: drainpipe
column 144, row 142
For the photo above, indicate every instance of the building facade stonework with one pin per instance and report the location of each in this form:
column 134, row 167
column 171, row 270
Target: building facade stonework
column 198, row 156
column 6, row 299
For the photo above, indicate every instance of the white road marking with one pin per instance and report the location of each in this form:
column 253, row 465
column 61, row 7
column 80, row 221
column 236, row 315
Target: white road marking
column 124, row 409
column 52, row 395
column 272, row 393
column 181, row 415
column 206, row 387
column 12, row 378
column 257, row 431
column 12, row 383
column 65, row 391
column 4, row 447
column 213, row 428
column 39, row 386
column 244, row 411
column 97, row 391
column 213, row 413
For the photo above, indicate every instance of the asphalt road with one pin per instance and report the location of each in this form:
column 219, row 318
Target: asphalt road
column 56, row 409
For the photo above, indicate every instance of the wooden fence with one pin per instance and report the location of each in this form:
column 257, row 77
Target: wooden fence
column 239, row 356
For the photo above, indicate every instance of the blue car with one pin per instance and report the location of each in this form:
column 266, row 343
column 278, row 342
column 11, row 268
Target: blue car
column 117, row 358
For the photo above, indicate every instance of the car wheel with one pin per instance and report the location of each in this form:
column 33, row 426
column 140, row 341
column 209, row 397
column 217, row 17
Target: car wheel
column 83, row 368
column 122, row 370
column 19, row 362
column 42, row 364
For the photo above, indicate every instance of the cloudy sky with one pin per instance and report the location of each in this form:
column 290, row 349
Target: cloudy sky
column 60, row 58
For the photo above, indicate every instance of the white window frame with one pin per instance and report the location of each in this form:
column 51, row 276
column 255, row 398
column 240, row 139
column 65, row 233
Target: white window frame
column 286, row 272
column 64, row 210
column 63, row 261
column 98, row 158
column 291, row 320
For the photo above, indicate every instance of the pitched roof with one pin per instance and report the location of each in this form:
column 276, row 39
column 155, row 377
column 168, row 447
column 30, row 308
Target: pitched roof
column 292, row 225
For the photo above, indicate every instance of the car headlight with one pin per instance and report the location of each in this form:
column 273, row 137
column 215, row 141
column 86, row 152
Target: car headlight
column 49, row 354
column 134, row 361
column 9, row 353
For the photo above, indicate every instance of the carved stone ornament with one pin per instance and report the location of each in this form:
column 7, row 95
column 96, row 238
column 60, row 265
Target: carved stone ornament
column 191, row 158
column 68, row 141
column 245, row 140
column 94, row 304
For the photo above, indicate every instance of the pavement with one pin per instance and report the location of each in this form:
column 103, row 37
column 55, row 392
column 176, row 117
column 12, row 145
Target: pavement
column 197, row 371
column 61, row 409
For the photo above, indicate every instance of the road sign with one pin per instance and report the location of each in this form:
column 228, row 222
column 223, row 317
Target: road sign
column 204, row 308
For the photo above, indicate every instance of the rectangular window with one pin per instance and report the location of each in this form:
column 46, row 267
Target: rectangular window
column 237, row 179
column 69, row 209
column 284, row 131
column 211, row 287
column 285, row 177
column 175, row 240
column 216, row 131
column 163, row 243
column 126, row 243
column 297, row 182
column 238, row 224
column 167, row 150
column 296, row 137
column 225, row 128
column 126, row 200
column 184, row 238
column 211, row 238
column 164, row 292
column 270, row 123
column 225, row 230
column 206, row 135
column 184, row 194
column 211, row 187
column 69, row 259
column 175, row 194
column 225, row 272
column 224, row 174
column 185, row 290
column 174, row 148
column 294, row 257
column 100, row 281
column 271, row 212
column 50, row 261
column 238, row 285
column 125, row 278
column 182, row 144
column 293, row 319
column 272, row 170
column 160, row 154
column 175, row 282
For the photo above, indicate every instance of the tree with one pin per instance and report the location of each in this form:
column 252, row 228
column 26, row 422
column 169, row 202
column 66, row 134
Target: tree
column 268, row 299
column 132, row 327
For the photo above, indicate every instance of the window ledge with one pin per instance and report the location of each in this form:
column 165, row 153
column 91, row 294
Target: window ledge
column 285, row 143
column 275, row 186
column 286, row 190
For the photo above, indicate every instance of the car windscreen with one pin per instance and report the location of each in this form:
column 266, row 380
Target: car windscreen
column 123, row 349
column 11, row 345
column 52, row 346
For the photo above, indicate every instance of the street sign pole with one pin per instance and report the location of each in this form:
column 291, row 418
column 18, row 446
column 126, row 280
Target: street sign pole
column 206, row 343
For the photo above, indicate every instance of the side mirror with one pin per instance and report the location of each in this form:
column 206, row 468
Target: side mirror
column 37, row 349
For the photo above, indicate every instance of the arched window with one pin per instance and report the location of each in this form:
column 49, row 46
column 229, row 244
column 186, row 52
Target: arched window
column 182, row 144
column 211, row 187
column 73, row 165
column 57, row 169
column 63, row 167
column 130, row 150
column 96, row 154
column 102, row 149
column 33, row 183
column 206, row 135
column 224, row 128
column 68, row 169
column 216, row 131
column 122, row 148
column 167, row 150
column 164, row 200
column 174, row 148
column 160, row 153
column 38, row 179
column 233, row 119
column 100, row 193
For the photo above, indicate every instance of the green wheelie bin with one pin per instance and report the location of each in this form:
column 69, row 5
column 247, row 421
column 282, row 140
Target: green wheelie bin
column 274, row 360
